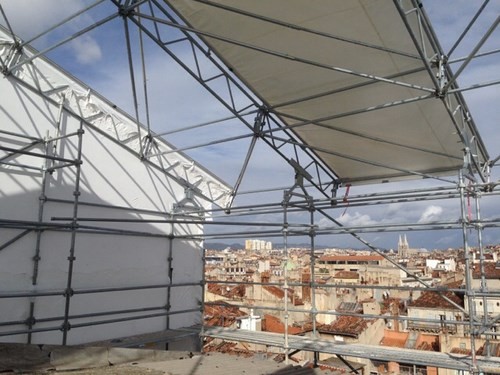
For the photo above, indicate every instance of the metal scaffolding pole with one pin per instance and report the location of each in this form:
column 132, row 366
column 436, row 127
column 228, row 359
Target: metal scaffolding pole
column 66, row 326
column 468, row 276
column 312, row 259
column 483, row 286
column 170, row 272
column 286, row 348
column 36, row 257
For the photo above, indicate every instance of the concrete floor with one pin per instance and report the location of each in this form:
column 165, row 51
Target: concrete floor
column 44, row 359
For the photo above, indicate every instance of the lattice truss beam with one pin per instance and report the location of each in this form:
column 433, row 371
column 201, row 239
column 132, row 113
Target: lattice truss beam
column 273, row 121
column 154, row 17
column 273, row 124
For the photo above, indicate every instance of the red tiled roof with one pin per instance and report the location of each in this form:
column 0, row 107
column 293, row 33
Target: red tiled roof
column 346, row 325
column 394, row 339
column 351, row 257
column 275, row 291
column 460, row 351
column 427, row 342
column 221, row 314
column 494, row 349
column 227, row 291
column 435, row 300
column 491, row 271
column 271, row 323
column 280, row 294
column 228, row 348
column 400, row 340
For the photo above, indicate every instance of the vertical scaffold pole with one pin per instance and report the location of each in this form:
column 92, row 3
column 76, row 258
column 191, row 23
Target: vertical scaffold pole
column 74, row 226
column 285, row 272
column 36, row 258
column 203, row 287
column 314, row 310
column 483, row 286
column 468, row 278
column 42, row 199
column 170, row 273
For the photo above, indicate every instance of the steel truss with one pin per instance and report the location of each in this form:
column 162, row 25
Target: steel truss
column 314, row 192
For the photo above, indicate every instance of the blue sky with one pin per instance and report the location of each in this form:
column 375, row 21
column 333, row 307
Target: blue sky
column 99, row 59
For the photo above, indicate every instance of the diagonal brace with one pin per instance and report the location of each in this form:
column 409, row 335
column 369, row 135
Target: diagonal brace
column 259, row 122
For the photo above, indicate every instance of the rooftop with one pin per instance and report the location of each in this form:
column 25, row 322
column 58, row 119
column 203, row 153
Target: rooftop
column 436, row 300
column 346, row 275
column 357, row 258
column 491, row 270
column 221, row 314
column 20, row 358
column 346, row 326
column 273, row 324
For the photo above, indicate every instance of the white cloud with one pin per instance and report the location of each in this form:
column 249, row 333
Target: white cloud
column 446, row 241
column 86, row 49
column 356, row 219
column 42, row 13
column 431, row 213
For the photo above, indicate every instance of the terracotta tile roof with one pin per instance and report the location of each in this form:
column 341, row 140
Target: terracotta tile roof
column 271, row 323
column 346, row 275
column 494, row 348
column 227, row 291
column 346, row 325
column 394, row 339
column 435, row 300
column 491, row 271
column 424, row 346
column 221, row 314
column 228, row 348
column 408, row 341
column 460, row 351
column 427, row 342
column 275, row 291
column 455, row 284
column 356, row 258
column 280, row 294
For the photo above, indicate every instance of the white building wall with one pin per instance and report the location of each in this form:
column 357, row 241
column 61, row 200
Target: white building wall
column 113, row 176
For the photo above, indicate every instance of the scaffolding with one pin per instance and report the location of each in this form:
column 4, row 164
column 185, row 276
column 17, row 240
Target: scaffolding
column 284, row 112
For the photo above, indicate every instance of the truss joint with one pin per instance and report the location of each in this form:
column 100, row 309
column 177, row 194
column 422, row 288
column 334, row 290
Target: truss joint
column 260, row 121
column 124, row 11
column 312, row 231
column 188, row 203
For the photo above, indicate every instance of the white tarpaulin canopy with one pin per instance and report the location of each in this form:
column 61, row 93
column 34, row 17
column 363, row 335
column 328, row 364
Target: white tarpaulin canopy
column 356, row 81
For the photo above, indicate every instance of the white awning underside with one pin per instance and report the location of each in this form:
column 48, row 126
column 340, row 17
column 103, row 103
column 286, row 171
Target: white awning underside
column 292, row 62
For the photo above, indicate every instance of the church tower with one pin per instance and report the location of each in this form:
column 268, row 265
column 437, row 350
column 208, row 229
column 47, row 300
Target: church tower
column 403, row 247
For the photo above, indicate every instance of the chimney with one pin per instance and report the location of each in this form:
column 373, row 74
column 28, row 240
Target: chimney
column 265, row 277
column 306, row 289
column 395, row 312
